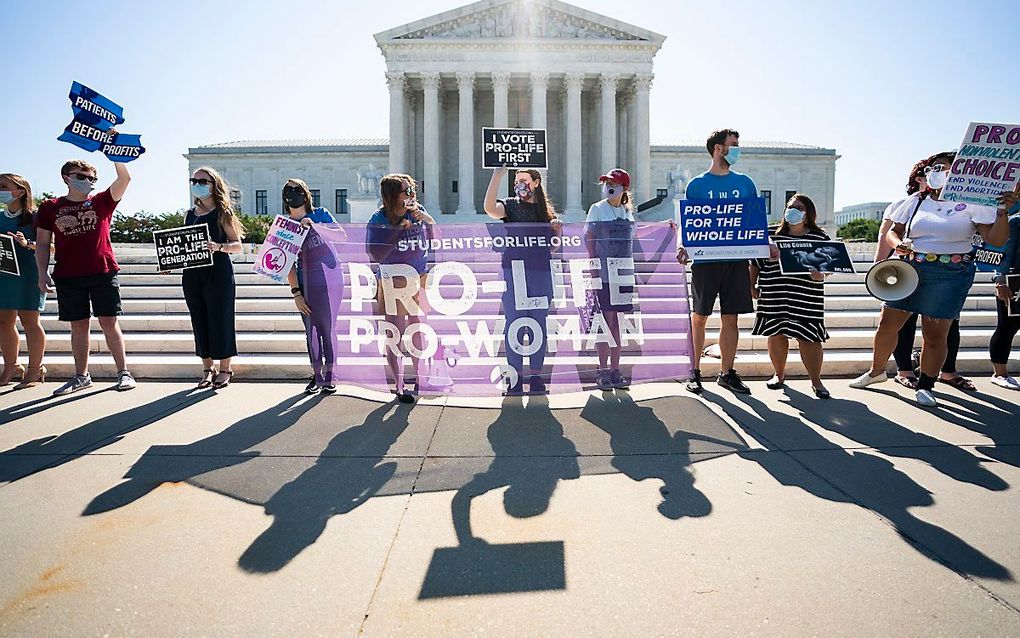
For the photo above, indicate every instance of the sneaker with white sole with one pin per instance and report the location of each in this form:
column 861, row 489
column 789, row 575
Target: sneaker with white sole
column 926, row 399
column 75, row 383
column 866, row 379
column 1007, row 382
column 125, row 381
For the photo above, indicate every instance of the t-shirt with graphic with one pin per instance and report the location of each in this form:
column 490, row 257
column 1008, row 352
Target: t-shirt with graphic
column 732, row 185
column 81, row 234
column 942, row 227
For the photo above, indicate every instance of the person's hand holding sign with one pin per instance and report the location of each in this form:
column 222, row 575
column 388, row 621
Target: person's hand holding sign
column 19, row 237
column 214, row 246
column 1007, row 200
column 1003, row 292
column 682, row 256
column 556, row 224
column 817, row 275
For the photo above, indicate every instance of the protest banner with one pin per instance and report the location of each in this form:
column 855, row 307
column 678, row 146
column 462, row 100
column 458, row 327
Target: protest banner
column 182, row 247
column 8, row 257
column 729, row 229
column 987, row 164
column 92, row 126
column 280, row 250
column 1013, row 281
column 471, row 313
column 514, row 148
column 799, row 257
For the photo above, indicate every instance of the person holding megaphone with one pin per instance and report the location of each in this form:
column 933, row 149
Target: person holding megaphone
column 935, row 239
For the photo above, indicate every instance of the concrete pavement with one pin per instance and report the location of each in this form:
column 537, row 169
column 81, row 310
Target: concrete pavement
column 257, row 511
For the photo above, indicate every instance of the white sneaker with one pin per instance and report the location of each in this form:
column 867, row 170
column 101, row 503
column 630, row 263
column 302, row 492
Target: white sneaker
column 1007, row 382
column 926, row 399
column 866, row 379
column 125, row 381
column 75, row 383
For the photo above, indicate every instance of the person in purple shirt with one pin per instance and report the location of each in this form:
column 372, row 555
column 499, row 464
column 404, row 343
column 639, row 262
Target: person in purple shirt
column 401, row 217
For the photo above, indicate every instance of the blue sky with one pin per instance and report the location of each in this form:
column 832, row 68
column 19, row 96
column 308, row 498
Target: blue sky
column 884, row 83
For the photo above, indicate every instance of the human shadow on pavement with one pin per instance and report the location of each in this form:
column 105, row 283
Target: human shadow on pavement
column 32, row 407
column 53, row 451
column 331, row 487
column 178, row 463
column 798, row 456
column 992, row 417
column 644, row 448
column 856, row 421
column 531, row 455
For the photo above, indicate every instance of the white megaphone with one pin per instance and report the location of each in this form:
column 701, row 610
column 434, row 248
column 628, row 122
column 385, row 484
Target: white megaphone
column 891, row 280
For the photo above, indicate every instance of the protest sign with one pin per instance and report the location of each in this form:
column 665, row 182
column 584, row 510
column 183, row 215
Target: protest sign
column 713, row 229
column 8, row 258
column 472, row 309
column 281, row 248
column 1013, row 281
column 514, row 148
column 183, row 247
column 988, row 257
column 92, row 126
column 801, row 257
column 987, row 164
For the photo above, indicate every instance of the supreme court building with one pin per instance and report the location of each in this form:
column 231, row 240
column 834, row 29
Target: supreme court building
column 584, row 77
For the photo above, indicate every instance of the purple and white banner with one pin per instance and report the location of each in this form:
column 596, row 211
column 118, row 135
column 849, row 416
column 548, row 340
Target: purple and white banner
column 470, row 310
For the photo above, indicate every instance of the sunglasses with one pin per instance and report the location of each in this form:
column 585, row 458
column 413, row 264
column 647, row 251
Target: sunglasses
column 201, row 181
column 80, row 176
column 409, row 192
column 938, row 168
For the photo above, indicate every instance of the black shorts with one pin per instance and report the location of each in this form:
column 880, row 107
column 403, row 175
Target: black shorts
column 75, row 294
column 730, row 281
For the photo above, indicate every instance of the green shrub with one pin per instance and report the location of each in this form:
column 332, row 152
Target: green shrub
column 256, row 228
column 866, row 229
column 137, row 229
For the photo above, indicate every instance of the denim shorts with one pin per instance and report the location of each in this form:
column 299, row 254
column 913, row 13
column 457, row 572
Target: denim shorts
column 941, row 290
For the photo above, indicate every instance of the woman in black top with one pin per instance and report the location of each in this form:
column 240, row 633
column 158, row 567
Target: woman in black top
column 209, row 291
column 532, row 206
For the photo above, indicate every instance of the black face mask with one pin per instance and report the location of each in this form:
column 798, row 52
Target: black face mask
column 293, row 197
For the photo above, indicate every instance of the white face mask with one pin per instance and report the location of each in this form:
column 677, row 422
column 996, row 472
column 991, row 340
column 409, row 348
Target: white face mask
column 937, row 179
column 794, row 216
column 609, row 191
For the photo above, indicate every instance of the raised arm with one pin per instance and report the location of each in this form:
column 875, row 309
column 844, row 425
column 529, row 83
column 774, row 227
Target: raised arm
column 493, row 208
column 119, row 185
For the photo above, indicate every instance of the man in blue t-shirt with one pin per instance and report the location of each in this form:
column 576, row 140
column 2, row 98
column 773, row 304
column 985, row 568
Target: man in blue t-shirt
column 729, row 281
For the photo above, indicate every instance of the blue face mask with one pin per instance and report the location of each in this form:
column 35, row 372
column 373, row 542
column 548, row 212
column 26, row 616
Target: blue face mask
column 794, row 216
column 732, row 155
column 6, row 197
column 201, row 191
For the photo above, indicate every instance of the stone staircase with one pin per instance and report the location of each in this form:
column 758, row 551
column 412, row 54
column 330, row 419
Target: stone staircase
column 272, row 343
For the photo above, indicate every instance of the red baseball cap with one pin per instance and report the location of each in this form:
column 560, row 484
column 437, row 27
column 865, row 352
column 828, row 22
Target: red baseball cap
column 617, row 175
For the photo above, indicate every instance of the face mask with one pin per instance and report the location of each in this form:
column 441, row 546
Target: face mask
column 732, row 155
column 200, row 191
column 294, row 199
column 609, row 192
column 523, row 190
column 6, row 197
column 83, row 186
column 937, row 180
column 794, row 216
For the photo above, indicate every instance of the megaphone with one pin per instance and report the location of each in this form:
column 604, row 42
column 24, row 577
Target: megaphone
column 891, row 280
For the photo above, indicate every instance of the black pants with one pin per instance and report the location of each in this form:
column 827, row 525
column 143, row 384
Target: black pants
column 209, row 293
column 905, row 346
column 1002, row 338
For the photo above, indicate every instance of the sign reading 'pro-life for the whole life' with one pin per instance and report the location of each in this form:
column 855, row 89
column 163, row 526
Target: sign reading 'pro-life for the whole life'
column 713, row 229
column 514, row 148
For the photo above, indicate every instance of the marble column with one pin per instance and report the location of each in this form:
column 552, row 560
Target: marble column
column 643, row 159
column 539, row 86
column 621, row 130
column 431, row 82
column 608, row 111
column 398, row 114
column 501, row 96
column 466, row 136
column 631, row 132
column 574, row 84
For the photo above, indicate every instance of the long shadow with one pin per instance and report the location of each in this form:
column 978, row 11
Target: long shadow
column 478, row 567
column 635, row 431
column 53, row 451
column 331, row 487
column 856, row 421
column 35, row 406
column 178, row 463
column 798, row 456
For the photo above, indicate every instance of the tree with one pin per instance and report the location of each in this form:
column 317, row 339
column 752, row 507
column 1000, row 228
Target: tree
column 863, row 229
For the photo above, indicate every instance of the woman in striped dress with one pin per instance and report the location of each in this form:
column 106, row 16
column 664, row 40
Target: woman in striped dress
column 792, row 306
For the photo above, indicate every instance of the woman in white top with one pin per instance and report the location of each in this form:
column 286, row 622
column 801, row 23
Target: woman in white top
column 936, row 238
column 609, row 234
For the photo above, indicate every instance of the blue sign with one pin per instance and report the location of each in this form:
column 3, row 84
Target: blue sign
column 713, row 229
column 92, row 126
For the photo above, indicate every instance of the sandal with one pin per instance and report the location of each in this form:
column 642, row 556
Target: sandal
column 207, row 379
column 32, row 378
column 10, row 372
column 217, row 384
column 960, row 383
column 906, row 382
column 775, row 383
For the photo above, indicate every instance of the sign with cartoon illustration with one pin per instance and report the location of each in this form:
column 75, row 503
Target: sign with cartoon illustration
column 800, row 257
column 280, row 250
